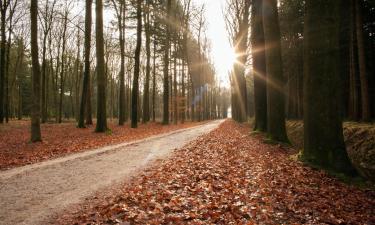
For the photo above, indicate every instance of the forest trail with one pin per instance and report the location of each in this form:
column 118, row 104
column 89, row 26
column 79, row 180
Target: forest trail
column 31, row 194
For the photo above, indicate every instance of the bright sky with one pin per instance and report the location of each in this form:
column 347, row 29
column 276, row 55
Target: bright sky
column 222, row 52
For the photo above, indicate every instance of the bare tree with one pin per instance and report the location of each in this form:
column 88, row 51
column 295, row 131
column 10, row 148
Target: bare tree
column 86, row 75
column 135, row 91
column 101, row 124
column 35, row 115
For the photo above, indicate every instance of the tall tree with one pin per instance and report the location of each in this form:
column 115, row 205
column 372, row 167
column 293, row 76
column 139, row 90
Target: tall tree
column 86, row 75
column 154, row 82
column 240, row 45
column 35, row 115
column 275, row 81
column 47, row 18
column 63, row 63
column 135, row 91
column 120, row 8
column 3, row 10
column 166, row 65
column 237, row 22
column 323, row 134
column 146, row 90
column 101, row 124
column 259, row 66
column 362, row 62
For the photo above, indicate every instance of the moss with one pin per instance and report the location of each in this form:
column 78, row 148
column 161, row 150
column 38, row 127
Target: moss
column 355, row 180
column 108, row 131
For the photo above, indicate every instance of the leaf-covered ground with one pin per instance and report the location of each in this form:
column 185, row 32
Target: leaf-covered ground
column 65, row 138
column 229, row 177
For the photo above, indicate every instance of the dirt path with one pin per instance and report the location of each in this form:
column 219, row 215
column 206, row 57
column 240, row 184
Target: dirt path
column 30, row 194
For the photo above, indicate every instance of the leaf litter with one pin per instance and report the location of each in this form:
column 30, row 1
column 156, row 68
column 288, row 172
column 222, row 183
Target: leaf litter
column 229, row 177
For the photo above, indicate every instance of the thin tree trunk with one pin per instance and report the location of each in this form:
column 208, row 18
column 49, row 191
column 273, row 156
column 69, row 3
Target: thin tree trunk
column 353, row 91
column 362, row 63
column 36, row 135
column 62, row 72
column 135, row 93
column 166, row 67
column 175, row 114
column 154, row 83
column 121, row 26
column 101, row 124
column 146, row 91
column 2, row 57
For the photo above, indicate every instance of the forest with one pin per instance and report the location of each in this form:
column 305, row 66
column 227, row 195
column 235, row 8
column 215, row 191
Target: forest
column 138, row 53
column 187, row 112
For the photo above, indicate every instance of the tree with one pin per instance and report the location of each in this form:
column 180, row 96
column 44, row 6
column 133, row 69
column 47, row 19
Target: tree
column 63, row 63
column 47, row 17
column 237, row 21
column 259, row 66
column 35, row 115
column 146, row 91
column 101, row 124
column 275, row 81
column 362, row 62
column 86, row 75
column 4, row 6
column 166, row 66
column 135, row 91
column 323, row 134
column 120, row 8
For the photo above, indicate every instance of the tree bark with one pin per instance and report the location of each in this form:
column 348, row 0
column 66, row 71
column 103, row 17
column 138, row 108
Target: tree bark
column 135, row 91
column 154, row 83
column 86, row 75
column 166, row 66
column 101, row 124
column 323, row 133
column 275, row 81
column 62, row 72
column 175, row 113
column 146, row 91
column 36, row 135
column 2, row 57
column 362, row 63
column 121, row 25
column 259, row 67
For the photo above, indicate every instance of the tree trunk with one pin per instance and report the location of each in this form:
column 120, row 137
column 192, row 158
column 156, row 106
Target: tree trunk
column 36, row 135
column 135, row 91
column 323, row 133
column 101, row 124
column 2, row 58
column 154, row 83
column 353, row 111
column 259, row 67
column 86, row 75
column 183, row 90
column 275, row 81
column 175, row 113
column 166, row 67
column 239, row 81
column 62, row 72
column 146, row 91
column 121, row 21
column 362, row 63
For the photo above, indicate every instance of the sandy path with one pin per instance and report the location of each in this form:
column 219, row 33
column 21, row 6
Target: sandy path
column 30, row 194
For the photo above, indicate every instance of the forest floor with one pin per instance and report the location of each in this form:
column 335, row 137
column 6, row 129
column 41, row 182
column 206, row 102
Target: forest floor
column 359, row 139
column 32, row 194
column 63, row 139
column 229, row 176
